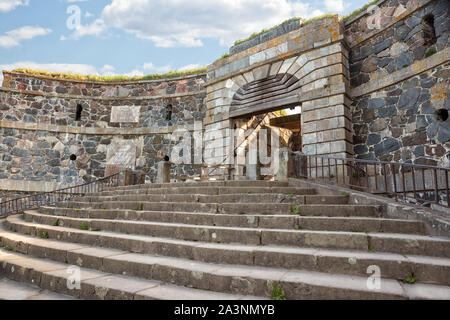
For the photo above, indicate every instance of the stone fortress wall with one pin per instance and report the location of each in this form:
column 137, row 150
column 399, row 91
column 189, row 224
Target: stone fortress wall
column 400, row 83
column 369, row 88
column 121, row 123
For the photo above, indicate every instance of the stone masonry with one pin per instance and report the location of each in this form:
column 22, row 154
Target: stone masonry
column 373, row 87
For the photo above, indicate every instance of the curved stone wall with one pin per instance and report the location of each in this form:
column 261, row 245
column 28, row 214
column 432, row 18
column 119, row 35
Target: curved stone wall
column 122, row 123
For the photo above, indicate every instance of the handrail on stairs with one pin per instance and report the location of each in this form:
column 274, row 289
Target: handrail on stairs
column 20, row 204
column 402, row 181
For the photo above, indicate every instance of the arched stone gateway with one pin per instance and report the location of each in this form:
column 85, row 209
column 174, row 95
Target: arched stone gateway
column 307, row 67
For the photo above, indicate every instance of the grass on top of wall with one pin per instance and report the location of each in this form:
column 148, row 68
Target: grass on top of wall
column 118, row 78
column 356, row 12
column 257, row 34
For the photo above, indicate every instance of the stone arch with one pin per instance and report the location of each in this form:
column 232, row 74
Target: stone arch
column 274, row 92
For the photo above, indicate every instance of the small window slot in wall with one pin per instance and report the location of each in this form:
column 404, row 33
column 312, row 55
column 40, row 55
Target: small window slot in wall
column 441, row 115
column 78, row 113
column 169, row 112
column 429, row 33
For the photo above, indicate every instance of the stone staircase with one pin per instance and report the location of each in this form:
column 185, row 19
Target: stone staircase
column 223, row 240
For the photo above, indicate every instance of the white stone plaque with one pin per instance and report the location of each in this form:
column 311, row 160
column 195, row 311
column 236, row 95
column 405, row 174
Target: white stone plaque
column 125, row 114
column 121, row 153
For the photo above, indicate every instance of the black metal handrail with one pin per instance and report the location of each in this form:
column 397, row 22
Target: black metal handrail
column 399, row 180
column 18, row 205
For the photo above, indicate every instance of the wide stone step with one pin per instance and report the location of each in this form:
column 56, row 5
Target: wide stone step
column 13, row 290
column 350, row 224
column 235, row 183
column 231, row 198
column 368, row 242
column 208, row 191
column 233, row 208
column 393, row 266
column 97, row 285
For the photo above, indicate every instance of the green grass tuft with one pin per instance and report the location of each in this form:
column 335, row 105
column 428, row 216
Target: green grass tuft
column 430, row 52
column 356, row 12
column 224, row 56
column 139, row 207
column 43, row 234
column 295, row 209
column 328, row 15
column 119, row 78
column 257, row 34
column 56, row 223
column 96, row 229
column 410, row 278
column 84, row 226
column 277, row 292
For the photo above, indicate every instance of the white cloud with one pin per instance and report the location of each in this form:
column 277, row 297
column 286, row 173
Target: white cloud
column 190, row 67
column 150, row 67
column 108, row 68
column 14, row 37
column 8, row 5
column 88, row 14
column 95, row 28
column 134, row 73
column 186, row 23
column 334, row 5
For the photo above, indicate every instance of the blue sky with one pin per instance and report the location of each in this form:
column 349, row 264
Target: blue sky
column 136, row 37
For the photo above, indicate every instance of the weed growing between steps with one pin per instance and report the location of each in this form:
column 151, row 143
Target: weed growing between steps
column 295, row 209
column 43, row 234
column 84, row 226
column 298, row 227
column 277, row 292
column 410, row 278
column 139, row 207
column 56, row 223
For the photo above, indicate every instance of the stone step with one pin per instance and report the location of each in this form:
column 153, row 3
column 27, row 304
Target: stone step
column 393, row 266
column 98, row 285
column 234, row 183
column 233, row 208
column 370, row 242
column 355, row 224
column 208, row 191
column 13, row 290
column 145, row 272
column 230, row 198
